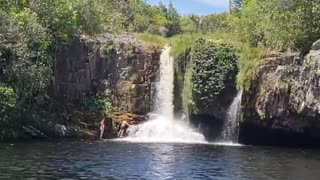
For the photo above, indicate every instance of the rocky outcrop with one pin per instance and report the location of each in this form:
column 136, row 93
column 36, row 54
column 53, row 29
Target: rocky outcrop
column 122, row 64
column 118, row 118
column 120, row 69
column 282, row 106
column 57, row 126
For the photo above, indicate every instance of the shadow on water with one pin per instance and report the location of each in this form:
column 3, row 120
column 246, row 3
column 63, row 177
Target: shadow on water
column 253, row 134
column 209, row 126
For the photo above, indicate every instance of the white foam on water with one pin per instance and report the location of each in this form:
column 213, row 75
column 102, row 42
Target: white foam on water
column 162, row 129
column 227, row 144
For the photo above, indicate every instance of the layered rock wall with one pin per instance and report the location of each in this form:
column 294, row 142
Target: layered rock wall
column 282, row 107
column 123, row 64
column 121, row 68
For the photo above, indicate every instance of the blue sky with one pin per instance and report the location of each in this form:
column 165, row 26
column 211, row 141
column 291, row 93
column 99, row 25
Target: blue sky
column 200, row 7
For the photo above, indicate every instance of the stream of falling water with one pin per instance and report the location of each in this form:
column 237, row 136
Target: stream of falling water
column 230, row 131
column 162, row 127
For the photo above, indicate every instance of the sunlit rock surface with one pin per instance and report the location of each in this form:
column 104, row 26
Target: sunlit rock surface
column 283, row 105
column 120, row 65
column 128, row 65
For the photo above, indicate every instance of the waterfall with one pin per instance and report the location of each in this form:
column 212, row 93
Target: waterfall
column 164, row 96
column 161, row 126
column 231, row 127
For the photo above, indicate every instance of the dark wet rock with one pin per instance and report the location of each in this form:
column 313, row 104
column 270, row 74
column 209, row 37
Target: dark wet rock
column 60, row 130
column 209, row 126
column 33, row 132
column 77, row 116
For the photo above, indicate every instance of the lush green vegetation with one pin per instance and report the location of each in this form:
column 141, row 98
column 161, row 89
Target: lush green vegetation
column 154, row 39
column 33, row 32
column 212, row 66
column 8, row 111
column 281, row 25
column 97, row 106
column 254, row 27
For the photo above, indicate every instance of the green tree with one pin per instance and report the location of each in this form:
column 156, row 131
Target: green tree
column 173, row 19
column 7, row 111
column 280, row 24
column 188, row 25
column 197, row 21
column 58, row 16
column 90, row 15
column 308, row 14
column 216, row 22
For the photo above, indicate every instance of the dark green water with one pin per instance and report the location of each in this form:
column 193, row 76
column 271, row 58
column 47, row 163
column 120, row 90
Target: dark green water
column 124, row 160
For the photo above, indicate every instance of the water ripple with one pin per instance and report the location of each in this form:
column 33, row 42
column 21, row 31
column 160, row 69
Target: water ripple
column 127, row 160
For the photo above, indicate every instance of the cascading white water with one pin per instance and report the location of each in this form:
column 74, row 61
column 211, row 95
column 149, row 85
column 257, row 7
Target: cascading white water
column 162, row 127
column 164, row 99
column 231, row 127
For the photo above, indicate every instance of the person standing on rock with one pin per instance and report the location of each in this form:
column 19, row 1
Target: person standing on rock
column 123, row 129
column 102, row 127
column 143, row 73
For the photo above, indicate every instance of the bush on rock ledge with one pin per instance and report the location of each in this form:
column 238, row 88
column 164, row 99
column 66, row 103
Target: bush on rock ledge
column 212, row 71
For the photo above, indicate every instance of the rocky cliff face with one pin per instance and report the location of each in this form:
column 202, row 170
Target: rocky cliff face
column 107, row 65
column 282, row 107
column 123, row 64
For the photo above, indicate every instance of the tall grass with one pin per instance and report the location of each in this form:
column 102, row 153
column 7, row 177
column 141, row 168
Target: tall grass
column 153, row 39
column 226, row 37
column 249, row 59
column 182, row 43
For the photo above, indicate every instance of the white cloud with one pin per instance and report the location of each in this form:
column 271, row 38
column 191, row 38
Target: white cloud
column 215, row 3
